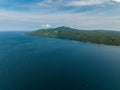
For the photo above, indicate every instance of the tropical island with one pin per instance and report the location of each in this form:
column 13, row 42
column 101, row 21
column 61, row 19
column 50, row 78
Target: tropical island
column 106, row 37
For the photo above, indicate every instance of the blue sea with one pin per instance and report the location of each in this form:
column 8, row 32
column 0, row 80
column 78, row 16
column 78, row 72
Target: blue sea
column 36, row 63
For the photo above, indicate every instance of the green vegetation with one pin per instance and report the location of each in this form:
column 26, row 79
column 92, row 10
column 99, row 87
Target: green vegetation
column 93, row 36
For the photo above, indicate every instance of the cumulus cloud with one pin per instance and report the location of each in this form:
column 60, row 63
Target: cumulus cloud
column 46, row 26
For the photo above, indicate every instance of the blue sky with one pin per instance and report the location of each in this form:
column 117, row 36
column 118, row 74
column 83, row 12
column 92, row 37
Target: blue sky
column 81, row 14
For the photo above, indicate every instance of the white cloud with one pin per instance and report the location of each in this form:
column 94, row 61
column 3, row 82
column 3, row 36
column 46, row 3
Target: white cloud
column 116, row 1
column 45, row 3
column 25, row 20
column 46, row 26
column 50, row 3
column 87, row 2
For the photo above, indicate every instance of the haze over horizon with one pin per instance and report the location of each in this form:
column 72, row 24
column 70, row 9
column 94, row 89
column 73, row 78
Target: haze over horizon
column 81, row 14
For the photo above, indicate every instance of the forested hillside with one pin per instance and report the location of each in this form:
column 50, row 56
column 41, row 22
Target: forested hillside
column 94, row 36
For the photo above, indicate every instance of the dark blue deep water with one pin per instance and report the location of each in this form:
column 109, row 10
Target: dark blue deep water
column 32, row 63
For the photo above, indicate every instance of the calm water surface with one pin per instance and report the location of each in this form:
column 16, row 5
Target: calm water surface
column 32, row 63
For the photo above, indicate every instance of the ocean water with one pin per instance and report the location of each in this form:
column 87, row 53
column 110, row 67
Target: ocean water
column 36, row 63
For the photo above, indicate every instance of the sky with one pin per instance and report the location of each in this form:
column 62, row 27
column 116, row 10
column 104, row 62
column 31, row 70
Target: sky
column 80, row 14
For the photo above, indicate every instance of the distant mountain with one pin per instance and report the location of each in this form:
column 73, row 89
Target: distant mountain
column 93, row 36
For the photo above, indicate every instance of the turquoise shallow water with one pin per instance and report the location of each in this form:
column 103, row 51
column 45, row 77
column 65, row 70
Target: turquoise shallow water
column 32, row 63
